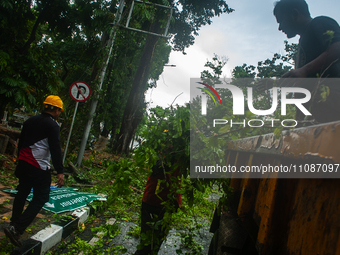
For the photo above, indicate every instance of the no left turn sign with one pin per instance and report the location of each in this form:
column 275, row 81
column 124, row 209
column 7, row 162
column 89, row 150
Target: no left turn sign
column 80, row 91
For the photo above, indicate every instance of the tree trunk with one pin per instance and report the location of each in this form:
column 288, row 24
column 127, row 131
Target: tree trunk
column 133, row 112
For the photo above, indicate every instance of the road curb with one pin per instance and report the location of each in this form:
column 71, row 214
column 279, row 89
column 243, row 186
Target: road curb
column 45, row 239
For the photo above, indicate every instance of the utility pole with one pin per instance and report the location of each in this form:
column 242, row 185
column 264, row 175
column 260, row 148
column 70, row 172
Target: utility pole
column 102, row 76
column 105, row 64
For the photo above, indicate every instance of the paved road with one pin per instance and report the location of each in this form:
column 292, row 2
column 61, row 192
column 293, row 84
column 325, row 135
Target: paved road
column 169, row 247
column 125, row 241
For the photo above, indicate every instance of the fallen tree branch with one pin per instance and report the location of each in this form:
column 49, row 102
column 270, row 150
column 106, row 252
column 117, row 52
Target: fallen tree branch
column 133, row 188
column 98, row 165
column 76, row 174
column 82, row 185
column 87, row 168
column 137, row 190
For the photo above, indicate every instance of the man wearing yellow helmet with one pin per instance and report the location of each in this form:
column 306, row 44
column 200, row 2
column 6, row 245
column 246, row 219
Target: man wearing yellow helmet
column 39, row 142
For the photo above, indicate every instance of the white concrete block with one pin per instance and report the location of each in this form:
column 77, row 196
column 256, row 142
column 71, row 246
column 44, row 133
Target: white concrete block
column 111, row 221
column 82, row 214
column 48, row 237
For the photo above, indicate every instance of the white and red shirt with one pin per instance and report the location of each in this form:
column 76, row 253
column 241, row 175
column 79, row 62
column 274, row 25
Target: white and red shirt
column 40, row 141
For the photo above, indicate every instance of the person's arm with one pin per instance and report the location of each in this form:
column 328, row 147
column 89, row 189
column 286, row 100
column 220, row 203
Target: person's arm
column 318, row 65
column 60, row 181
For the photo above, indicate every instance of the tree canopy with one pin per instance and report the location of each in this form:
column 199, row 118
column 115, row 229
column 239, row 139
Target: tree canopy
column 47, row 45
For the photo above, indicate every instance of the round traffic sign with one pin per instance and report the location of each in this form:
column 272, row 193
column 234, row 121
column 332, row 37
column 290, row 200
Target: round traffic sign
column 80, row 91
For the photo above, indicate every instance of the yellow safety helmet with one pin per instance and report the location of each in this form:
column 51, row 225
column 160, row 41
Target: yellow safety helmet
column 55, row 101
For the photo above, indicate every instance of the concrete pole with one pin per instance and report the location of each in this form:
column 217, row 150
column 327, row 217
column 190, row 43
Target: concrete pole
column 102, row 76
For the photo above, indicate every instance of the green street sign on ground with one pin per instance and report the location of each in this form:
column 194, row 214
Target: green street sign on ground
column 65, row 199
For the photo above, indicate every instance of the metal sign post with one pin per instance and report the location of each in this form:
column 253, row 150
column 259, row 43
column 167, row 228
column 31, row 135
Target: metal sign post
column 80, row 92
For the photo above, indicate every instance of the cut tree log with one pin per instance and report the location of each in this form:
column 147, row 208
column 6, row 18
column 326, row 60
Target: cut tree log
column 14, row 134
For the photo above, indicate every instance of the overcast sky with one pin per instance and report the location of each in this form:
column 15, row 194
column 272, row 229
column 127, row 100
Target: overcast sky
column 247, row 35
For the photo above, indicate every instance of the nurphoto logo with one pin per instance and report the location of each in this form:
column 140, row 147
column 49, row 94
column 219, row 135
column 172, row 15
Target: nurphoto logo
column 239, row 99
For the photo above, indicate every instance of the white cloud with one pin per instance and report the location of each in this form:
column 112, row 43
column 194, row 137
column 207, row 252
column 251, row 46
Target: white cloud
column 248, row 35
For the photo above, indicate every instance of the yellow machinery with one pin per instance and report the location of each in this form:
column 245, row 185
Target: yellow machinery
column 296, row 212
